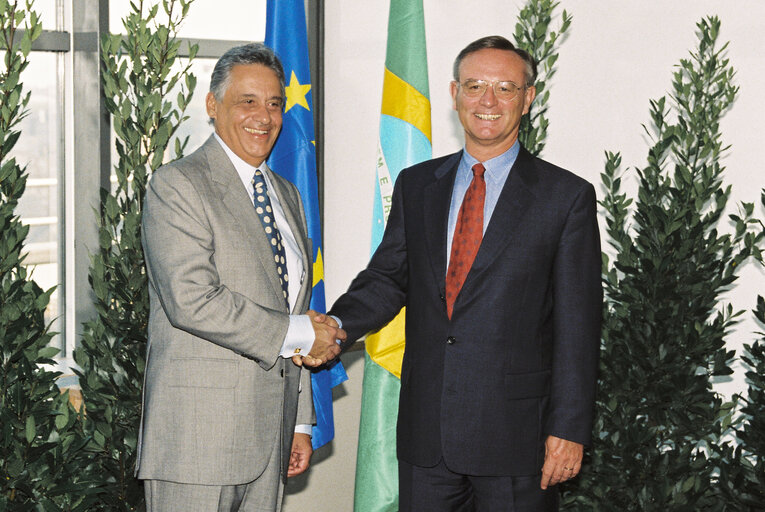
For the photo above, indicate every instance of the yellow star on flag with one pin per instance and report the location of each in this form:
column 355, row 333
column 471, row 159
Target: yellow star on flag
column 318, row 269
column 296, row 94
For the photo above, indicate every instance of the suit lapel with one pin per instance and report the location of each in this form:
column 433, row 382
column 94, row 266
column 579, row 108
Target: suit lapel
column 436, row 202
column 515, row 198
column 235, row 199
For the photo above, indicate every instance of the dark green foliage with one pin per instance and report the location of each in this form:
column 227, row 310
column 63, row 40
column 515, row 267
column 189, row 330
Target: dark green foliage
column 42, row 464
column 742, row 463
column 533, row 34
column 139, row 75
column 751, row 492
column 665, row 328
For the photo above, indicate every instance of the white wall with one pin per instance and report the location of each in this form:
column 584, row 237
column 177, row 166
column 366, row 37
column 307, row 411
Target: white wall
column 618, row 56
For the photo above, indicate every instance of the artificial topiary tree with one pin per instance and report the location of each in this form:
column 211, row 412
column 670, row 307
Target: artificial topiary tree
column 665, row 327
column 42, row 464
column 140, row 77
column 533, row 34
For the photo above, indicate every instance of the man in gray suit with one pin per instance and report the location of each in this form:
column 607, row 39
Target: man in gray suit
column 226, row 413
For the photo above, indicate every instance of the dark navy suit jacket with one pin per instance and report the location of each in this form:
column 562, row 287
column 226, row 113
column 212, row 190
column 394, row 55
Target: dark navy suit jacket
column 518, row 359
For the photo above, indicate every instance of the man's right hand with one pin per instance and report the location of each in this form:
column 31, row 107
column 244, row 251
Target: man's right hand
column 325, row 347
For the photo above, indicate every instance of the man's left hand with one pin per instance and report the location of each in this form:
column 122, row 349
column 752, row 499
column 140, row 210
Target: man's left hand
column 301, row 454
column 563, row 460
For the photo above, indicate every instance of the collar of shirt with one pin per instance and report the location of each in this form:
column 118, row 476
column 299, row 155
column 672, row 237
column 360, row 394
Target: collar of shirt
column 291, row 249
column 247, row 171
column 497, row 171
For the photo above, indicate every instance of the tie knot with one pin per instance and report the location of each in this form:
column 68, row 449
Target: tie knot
column 258, row 180
column 478, row 170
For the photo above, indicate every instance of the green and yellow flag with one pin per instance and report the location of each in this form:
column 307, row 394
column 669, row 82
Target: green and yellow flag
column 405, row 140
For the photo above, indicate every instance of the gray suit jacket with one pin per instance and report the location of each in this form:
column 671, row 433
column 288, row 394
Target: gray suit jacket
column 218, row 399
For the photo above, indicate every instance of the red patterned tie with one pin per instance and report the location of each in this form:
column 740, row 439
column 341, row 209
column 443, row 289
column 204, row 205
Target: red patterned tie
column 467, row 237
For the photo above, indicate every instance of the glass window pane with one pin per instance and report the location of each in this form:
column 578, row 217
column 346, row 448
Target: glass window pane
column 40, row 149
column 197, row 126
column 243, row 20
column 51, row 12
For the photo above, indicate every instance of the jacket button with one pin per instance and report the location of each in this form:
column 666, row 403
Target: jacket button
column 451, row 340
column 442, row 297
column 281, row 372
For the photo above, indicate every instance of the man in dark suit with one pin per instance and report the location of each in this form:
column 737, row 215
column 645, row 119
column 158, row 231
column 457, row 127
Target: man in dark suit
column 496, row 256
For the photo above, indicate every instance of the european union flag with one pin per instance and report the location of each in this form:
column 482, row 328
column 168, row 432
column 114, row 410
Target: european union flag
column 294, row 157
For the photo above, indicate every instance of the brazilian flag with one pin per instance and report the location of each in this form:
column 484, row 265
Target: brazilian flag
column 405, row 139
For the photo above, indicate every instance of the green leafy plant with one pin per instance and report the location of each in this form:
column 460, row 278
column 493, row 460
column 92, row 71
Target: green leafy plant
column 534, row 34
column 751, row 491
column 140, row 72
column 665, row 327
column 42, row 464
column 741, row 481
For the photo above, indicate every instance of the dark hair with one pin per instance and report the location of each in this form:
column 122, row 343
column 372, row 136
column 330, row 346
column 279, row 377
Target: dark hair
column 253, row 53
column 498, row 43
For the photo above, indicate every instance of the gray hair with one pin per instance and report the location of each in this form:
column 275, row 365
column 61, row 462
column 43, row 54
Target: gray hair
column 253, row 53
column 498, row 43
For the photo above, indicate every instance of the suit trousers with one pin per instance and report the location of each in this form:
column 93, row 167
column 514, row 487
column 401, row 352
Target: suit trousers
column 438, row 489
column 263, row 494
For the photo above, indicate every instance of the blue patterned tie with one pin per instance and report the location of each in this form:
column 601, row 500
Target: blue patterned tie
column 266, row 216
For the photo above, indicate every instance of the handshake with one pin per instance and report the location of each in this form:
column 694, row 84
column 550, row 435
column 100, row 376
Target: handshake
column 326, row 345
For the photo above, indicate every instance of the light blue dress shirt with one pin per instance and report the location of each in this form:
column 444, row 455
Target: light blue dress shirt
column 497, row 171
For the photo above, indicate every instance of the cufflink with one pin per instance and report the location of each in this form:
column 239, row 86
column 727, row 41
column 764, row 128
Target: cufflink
column 297, row 351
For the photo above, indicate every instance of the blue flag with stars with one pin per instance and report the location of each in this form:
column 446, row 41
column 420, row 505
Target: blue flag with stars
column 294, row 157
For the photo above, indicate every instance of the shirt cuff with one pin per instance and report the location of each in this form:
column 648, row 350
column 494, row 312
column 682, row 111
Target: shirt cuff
column 303, row 429
column 300, row 336
column 340, row 325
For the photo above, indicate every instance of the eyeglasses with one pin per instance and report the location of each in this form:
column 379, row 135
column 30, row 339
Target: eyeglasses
column 503, row 89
